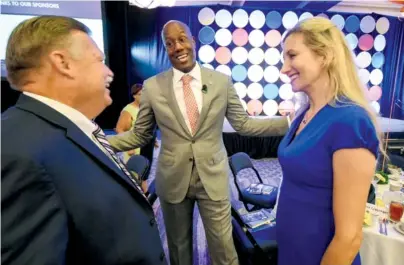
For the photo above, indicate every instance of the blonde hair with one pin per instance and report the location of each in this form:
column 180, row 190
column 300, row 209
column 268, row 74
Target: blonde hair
column 32, row 39
column 327, row 41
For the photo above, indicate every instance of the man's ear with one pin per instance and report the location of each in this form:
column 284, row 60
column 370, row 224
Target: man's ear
column 61, row 62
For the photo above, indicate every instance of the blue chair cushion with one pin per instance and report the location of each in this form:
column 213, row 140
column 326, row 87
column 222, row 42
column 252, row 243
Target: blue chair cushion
column 262, row 200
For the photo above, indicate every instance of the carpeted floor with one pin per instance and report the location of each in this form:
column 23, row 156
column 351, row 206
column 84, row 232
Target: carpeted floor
column 270, row 172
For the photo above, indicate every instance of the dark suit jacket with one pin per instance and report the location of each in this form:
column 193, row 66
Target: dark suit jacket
column 63, row 201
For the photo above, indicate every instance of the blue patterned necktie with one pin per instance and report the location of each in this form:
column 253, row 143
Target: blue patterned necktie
column 99, row 135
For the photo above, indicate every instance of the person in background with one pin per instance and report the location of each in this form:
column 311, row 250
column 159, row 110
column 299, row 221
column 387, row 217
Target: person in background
column 328, row 157
column 65, row 196
column 126, row 122
column 128, row 117
column 189, row 103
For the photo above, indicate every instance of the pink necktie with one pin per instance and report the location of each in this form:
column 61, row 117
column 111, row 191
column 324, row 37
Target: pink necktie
column 190, row 103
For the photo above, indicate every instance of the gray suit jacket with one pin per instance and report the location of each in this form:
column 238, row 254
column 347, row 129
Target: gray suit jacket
column 179, row 148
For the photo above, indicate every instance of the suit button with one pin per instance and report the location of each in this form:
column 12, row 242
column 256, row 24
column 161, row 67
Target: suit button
column 191, row 159
column 152, row 222
column 162, row 256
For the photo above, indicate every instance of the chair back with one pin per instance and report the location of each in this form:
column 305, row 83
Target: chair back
column 140, row 165
column 240, row 161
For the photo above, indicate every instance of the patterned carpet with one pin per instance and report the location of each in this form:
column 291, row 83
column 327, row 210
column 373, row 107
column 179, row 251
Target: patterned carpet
column 270, row 172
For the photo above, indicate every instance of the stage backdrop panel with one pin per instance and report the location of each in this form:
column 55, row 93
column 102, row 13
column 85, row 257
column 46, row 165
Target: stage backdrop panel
column 245, row 43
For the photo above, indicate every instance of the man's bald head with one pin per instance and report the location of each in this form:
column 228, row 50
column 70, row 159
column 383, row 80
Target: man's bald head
column 172, row 23
column 180, row 45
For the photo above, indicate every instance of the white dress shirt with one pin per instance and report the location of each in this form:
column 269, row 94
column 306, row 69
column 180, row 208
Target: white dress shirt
column 196, row 86
column 75, row 116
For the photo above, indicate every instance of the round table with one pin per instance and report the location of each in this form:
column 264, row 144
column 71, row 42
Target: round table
column 379, row 249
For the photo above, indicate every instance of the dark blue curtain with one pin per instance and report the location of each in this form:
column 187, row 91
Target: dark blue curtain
column 392, row 101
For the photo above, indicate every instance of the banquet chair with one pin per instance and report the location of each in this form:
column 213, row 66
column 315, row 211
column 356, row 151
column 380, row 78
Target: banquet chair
column 140, row 165
column 238, row 162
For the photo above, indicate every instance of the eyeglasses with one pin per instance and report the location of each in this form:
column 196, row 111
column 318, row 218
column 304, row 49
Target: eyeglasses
column 170, row 44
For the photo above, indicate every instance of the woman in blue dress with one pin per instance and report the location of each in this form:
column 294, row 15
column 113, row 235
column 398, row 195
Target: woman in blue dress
column 328, row 157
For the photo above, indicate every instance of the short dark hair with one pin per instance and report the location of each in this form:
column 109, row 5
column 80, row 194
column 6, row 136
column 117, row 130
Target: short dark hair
column 135, row 89
column 33, row 38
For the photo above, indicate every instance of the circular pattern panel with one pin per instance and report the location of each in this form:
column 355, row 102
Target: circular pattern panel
column 286, row 107
column 206, row 35
column 270, row 91
column 206, row 54
column 367, row 24
column 240, row 37
column 289, row 19
column 375, row 93
column 256, row 38
column 271, row 74
column 382, row 25
column 223, row 55
column 273, row 20
column 223, row 37
column 240, row 18
column 339, row 21
column 256, row 56
column 380, row 43
column 305, row 15
column 223, row 18
column 255, row 73
column 378, row 60
column 376, row 106
column 206, row 16
column 254, row 107
column 270, row 108
column 286, row 92
column 241, row 89
column 255, row 91
column 272, row 56
column 364, row 76
column 239, row 73
column 224, row 69
column 257, row 19
column 239, row 55
column 363, row 59
column 352, row 24
column 376, row 77
column 365, row 42
column 273, row 38
column 352, row 40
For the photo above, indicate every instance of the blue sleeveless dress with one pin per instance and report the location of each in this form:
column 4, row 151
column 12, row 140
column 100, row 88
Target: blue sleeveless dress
column 305, row 223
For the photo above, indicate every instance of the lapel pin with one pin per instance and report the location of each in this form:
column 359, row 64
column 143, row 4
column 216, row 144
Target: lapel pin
column 204, row 89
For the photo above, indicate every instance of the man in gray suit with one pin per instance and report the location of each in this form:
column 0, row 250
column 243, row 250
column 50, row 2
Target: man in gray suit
column 189, row 103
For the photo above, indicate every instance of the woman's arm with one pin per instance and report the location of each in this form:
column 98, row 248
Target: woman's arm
column 124, row 122
column 353, row 171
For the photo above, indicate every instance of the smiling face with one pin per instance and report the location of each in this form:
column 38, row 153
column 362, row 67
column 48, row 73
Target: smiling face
column 301, row 64
column 92, row 77
column 180, row 46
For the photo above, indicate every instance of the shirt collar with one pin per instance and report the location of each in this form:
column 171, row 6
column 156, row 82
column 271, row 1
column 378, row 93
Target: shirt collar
column 195, row 73
column 75, row 116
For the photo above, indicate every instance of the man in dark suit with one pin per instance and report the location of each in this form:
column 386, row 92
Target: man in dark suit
column 65, row 199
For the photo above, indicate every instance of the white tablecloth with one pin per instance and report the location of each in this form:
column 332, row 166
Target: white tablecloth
column 378, row 249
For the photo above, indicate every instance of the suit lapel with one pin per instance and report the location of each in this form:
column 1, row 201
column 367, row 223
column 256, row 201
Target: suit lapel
column 172, row 101
column 72, row 132
column 77, row 136
column 207, row 97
